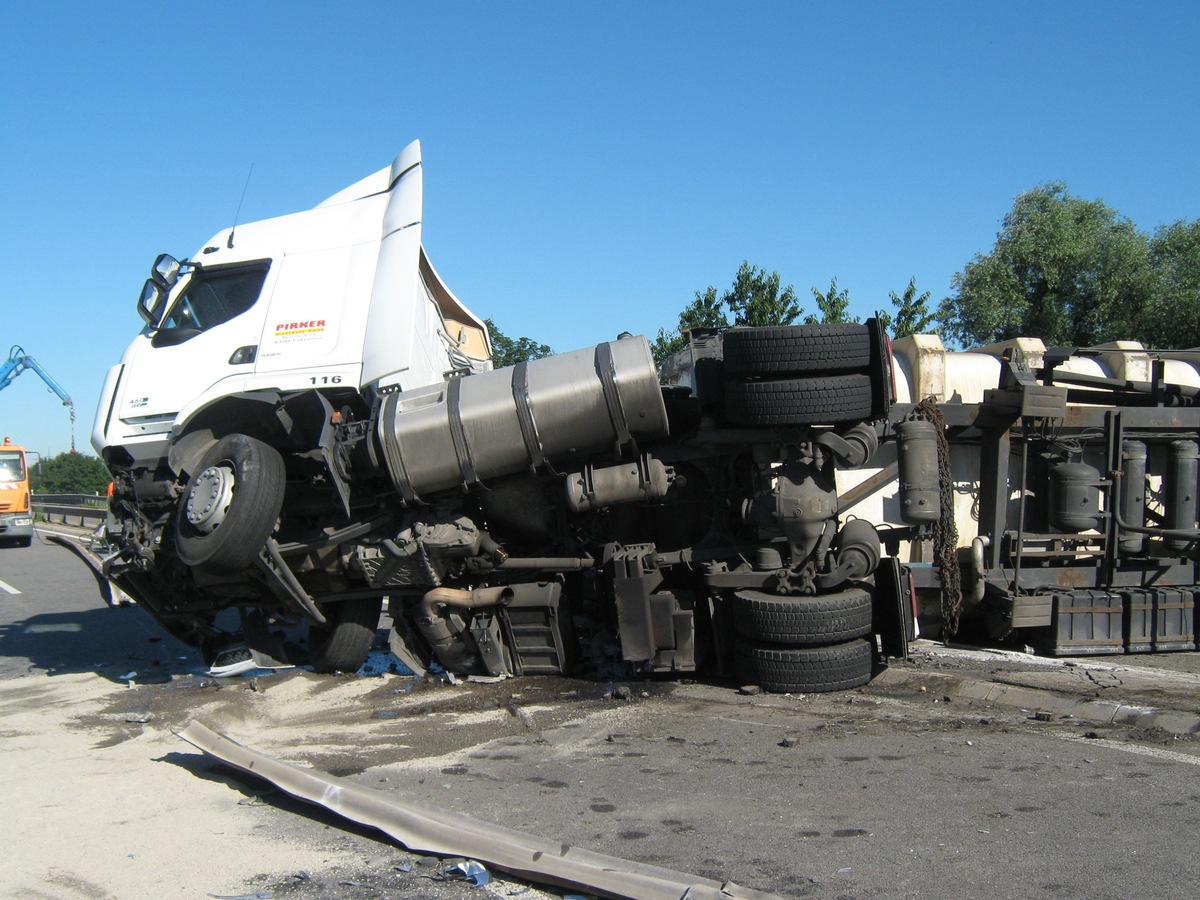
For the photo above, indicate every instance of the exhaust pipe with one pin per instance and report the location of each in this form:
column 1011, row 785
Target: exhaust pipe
column 441, row 628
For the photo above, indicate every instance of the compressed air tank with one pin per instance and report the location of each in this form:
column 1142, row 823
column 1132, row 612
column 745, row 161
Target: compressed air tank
column 558, row 409
column 1074, row 497
column 1133, row 496
column 920, row 485
column 1183, row 462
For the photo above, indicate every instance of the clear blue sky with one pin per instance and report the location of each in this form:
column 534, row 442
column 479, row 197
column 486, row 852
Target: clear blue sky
column 588, row 166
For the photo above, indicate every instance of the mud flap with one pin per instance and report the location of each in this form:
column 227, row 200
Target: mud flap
column 894, row 620
column 401, row 645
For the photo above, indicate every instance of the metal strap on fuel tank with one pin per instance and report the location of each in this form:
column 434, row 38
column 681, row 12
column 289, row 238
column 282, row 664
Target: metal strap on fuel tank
column 529, row 432
column 466, row 465
column 391, row 449
column 607, row 370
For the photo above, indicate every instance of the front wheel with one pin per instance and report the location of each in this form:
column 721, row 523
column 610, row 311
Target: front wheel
column 231, row 504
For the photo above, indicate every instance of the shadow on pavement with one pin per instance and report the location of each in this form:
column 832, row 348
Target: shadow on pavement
column 112, row 642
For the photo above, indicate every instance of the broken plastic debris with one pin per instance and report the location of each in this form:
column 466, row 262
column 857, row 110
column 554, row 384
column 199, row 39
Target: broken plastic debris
column 232, row 661
column 473, row 870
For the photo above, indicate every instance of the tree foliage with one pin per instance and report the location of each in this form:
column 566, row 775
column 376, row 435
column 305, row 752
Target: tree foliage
column 1067, row 270
column 1173, row 316
column 755, row 298
column 705, row 311
column 833, row 306
column 912, row 316
column 508, row 351
column 69, row 473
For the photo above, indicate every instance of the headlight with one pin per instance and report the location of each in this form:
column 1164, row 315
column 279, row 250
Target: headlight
column 20, row 523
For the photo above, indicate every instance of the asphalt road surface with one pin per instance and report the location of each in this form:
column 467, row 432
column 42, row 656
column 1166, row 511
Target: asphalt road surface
column 954, row 775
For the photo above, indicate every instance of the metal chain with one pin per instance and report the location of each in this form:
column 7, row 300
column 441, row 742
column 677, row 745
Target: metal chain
column 945, row 532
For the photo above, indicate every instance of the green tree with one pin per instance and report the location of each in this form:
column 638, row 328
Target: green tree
column 1067, row 270
column 1173, row 319
column 913, row 315
column 833, row 306
column 755, row 298
column 69, row 473
column 508, row 351
column 705, row 311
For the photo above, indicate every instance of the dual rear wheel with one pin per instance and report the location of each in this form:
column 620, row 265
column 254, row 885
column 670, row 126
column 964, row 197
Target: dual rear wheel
column 797, row 375
column 807, row 644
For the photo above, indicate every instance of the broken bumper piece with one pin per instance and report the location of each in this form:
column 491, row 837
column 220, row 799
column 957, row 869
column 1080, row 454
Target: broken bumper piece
column 425, row 829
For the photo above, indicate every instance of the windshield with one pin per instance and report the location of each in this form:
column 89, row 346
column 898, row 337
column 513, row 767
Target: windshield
column 12, row 466
column 213, row 297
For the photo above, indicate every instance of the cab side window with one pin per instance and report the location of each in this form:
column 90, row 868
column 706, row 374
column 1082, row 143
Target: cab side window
column 212, row 298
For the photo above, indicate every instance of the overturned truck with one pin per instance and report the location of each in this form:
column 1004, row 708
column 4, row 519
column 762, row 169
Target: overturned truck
column 309, row 427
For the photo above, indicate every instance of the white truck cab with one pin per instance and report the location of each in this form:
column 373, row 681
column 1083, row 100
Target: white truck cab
column 339, row 296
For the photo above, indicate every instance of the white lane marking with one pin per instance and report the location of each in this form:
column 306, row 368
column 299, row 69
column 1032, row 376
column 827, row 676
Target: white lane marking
column 1139, row 749
column 8, row 588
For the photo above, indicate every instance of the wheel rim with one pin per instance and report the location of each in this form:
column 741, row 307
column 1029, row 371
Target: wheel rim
column 208, row 501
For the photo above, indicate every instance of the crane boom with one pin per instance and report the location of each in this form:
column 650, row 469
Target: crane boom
column 18, row 361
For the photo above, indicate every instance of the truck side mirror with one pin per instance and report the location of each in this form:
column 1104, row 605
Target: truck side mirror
column 165, row 271
column 151, row 302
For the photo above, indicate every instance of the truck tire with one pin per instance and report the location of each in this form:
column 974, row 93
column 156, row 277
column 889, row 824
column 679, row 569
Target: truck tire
column 823, row 619
column 808, row 670
column 824, row 400
column 231, row 505
column 796, row 348
column 343, row 643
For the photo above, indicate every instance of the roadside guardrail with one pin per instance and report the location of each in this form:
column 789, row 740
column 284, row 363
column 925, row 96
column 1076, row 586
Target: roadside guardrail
column 83, row 510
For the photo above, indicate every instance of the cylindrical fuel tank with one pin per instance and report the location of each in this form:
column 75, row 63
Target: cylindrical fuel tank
column 560, row 409
column 1074, row 497
column 920, row 486
column 1133, row 495
column 1183, row 462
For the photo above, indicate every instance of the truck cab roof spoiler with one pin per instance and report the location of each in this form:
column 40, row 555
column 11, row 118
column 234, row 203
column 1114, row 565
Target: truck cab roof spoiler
column 378, row 182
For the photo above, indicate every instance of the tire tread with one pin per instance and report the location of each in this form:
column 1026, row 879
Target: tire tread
column 821, row 669
column 782, row 350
